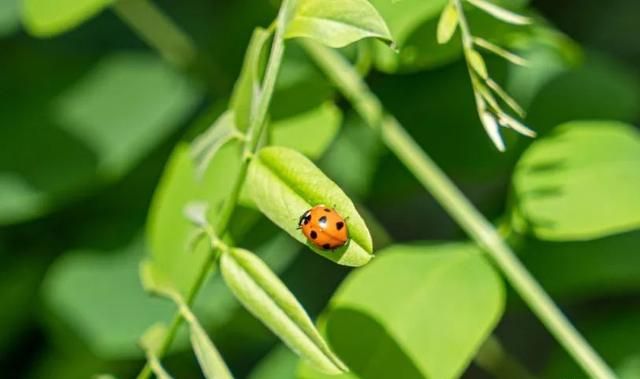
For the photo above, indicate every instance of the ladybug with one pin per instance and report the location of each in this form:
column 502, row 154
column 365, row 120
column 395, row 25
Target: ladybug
column 324, row 227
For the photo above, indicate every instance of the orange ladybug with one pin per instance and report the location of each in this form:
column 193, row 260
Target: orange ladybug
column 324, row 227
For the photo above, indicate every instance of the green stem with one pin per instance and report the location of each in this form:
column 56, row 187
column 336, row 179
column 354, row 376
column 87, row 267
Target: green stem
column 157, row 30
column 459, row 207
column 256, row 128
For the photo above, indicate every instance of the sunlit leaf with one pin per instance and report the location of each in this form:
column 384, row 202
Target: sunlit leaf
column 477, row 63
column 46, row 18
column 448, row 23
column 581, row 182
column 338, row 23
column 266, row 297
column 415, row 312
column 284, row 184
column 500, row 13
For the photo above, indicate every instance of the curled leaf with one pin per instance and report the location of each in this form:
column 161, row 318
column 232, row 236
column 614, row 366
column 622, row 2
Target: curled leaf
column 284, row 184
column 267, row 298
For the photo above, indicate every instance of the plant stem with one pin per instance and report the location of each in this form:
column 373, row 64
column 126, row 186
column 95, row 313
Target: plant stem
column 458, row 207
column 467, row 39
column 256, row 128
column 157, row 30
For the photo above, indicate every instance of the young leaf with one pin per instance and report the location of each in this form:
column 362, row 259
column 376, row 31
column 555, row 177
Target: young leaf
column 510, row 122
column 211, row 363
column 506, row 54
column 267, row 298
column 284, row 184
column 448, row 23
column 337, row 23
column 477, row 63
column 247, row 87
column 205, row 147
column 563, row 183
column 511, row 102
column 489, row 123
column 44, row 18
column 500, row 13
column 420, row 311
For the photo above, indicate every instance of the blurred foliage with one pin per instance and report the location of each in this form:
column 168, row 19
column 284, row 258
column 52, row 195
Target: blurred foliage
column 90, row 116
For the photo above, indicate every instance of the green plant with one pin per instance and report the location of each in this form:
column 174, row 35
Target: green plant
column 249, row 157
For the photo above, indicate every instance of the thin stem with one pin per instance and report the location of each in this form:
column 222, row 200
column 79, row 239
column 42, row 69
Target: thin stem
column 465, row 31
column 256, row 128
column 460, row 209
column 157, row 30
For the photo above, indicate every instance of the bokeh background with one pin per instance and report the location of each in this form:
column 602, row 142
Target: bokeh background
column 89, row 118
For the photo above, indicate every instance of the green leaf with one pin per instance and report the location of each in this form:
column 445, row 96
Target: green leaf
column 205, row 147
column 248, row 87
column 500, row 13
column 279, row 363
column 169, row 232
column 211, row 363
column 45, row 18
column 418, row 312
column 267, row 298
column 120, row 126
column 337, row 24
column 477, row 63
column 448, row 23
column 284, row 184
column 100, row 297
column 579, row 183
column 311, row 132
column 92, row 130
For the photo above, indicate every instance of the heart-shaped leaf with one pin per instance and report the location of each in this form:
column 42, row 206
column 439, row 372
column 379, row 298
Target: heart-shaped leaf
column 284, row 184
column 337, row 23
column 417, row 312
column 581, row 182
column 266, row 297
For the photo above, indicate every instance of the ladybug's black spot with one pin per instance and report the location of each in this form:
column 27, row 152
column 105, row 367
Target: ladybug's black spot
column 339, row 225
column 327, row 210
column 313, row 234
column 323, row 221
column 326, row 246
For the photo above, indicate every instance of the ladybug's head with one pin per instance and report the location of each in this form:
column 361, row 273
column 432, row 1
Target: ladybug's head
column 304, row 219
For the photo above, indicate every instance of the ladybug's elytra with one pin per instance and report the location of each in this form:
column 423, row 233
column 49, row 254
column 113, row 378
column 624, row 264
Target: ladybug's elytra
column 324, row 227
